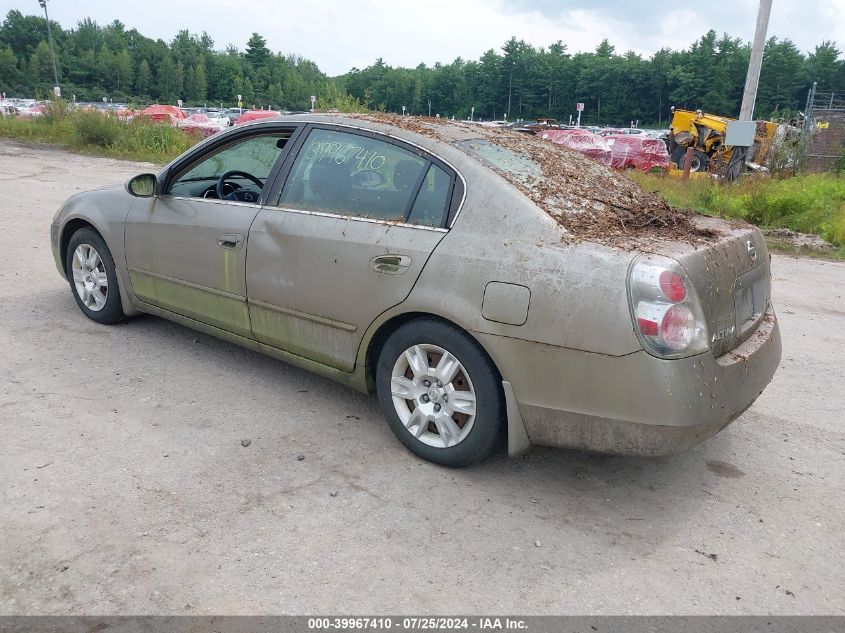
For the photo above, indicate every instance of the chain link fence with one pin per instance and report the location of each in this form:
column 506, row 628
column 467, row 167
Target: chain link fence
column 824, row 131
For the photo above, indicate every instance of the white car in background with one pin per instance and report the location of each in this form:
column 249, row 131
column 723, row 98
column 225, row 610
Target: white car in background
column 218, row 118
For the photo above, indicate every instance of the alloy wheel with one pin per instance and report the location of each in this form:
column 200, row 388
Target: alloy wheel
column 433, row 395
column 89, row 277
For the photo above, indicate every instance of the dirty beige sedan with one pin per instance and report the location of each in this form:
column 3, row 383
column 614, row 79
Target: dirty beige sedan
column 483, row 283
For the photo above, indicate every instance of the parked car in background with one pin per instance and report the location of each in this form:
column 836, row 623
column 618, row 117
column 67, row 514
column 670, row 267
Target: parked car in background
column 218, row 118
column 31, row 110
column 607, row 131
column 255, row 115
column 449, row 268
column 199, row 123
column 537, row 126
column 637, row 151
column 163, row 114
column 234, row 114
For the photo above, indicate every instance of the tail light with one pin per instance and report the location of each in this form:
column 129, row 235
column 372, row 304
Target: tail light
column 665, row 308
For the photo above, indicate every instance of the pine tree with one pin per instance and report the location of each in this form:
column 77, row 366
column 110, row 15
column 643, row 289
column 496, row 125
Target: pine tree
column 201, row 93
column 9, row 75
column 824, row 67
column 257, row 54
column 143, row 82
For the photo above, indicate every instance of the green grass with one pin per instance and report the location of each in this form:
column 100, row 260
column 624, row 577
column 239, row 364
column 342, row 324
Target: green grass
column 101, row 134
column 808, row 203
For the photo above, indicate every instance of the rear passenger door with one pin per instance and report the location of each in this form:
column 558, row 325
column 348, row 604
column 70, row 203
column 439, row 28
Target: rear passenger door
column 345, row 238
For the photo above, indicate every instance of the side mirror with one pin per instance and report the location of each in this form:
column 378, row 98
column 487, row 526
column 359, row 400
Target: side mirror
column 143, row 186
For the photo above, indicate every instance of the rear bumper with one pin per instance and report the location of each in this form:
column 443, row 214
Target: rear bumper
column 635, row 404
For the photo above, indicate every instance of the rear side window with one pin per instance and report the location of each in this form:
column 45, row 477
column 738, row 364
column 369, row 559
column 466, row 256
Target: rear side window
column 360, row 176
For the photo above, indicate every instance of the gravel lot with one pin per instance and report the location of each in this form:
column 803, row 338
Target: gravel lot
column 126, row 488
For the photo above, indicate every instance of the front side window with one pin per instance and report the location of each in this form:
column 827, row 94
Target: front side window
column 251, row 159
column 350, row 174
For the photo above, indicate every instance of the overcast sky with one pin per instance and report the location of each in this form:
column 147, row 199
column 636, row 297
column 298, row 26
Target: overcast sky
column 339, row 34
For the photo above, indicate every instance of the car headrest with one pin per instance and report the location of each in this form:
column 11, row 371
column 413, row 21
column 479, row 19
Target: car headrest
column 330, row 181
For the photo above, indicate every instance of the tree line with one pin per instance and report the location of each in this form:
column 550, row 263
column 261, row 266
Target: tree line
column 123, row 65
column 519, row 80
column 524, row 81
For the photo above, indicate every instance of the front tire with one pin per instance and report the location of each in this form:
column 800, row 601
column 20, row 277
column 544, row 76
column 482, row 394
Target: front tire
column 93, row 278
column 440, row 393
column 700, row 160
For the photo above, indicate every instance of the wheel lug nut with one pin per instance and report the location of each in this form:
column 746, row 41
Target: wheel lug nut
column 425, row 398
column 437, row 407
column 426, row 383
column 439, row 384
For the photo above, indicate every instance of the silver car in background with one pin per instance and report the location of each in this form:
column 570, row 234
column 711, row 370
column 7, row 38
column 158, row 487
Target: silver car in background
column 484, row 286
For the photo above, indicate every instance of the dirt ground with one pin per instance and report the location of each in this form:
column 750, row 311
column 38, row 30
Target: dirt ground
column 126, row 488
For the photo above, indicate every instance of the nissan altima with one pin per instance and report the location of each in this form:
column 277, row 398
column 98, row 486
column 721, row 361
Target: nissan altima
column 487, row 285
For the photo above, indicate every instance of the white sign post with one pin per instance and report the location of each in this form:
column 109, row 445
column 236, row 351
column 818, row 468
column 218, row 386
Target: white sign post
column 580, row 108
column 313, row 102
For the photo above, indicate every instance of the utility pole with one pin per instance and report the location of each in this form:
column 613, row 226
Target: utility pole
column 749, row 96
column 56, row 89
column 510, row 90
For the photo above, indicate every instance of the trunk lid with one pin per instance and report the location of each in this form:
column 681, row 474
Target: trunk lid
column 732, row 278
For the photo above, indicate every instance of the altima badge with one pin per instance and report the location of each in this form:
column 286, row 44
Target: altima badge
column 721, row 334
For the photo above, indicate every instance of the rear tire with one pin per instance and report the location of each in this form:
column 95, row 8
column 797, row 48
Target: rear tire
column 440, row 393
column 93, row 278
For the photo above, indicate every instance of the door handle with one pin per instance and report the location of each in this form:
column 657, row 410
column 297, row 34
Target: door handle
column 230, row 240
column 390, row 264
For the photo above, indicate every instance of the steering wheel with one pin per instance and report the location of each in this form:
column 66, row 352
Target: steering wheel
column 242, row 195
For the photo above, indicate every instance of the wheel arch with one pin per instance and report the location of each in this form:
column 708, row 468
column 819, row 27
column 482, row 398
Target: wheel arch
column 515, row 434
column 384, row 330
column 69, row 228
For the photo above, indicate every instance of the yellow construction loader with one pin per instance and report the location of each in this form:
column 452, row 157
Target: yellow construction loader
column 705, row 133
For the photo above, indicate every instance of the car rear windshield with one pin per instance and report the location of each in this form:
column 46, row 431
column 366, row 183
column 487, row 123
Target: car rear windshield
column 515, row 166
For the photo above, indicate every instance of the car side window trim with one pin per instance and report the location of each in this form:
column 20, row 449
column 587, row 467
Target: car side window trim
column 291, row 150
column 447, row 213
column 274, row 194
column 416, row 190
column 353, row 218
column 456, row 200
column 273, row 197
